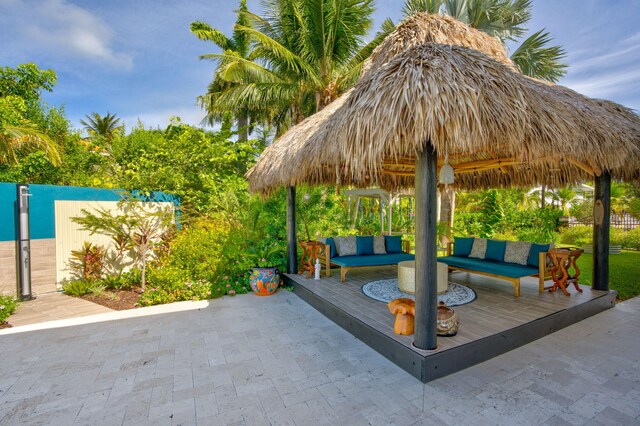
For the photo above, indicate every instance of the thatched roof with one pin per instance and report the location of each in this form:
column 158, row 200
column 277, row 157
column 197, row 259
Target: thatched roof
column 500, row 128
column 293, row 147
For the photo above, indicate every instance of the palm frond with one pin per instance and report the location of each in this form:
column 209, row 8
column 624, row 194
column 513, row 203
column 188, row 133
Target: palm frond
column 535, row 59
column 414, row 6
column 205, row 32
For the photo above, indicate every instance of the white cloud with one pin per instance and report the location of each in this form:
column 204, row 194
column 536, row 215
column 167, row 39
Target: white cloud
column 606, row 85
column 64, row 28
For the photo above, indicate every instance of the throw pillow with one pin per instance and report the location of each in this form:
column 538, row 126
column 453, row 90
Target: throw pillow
column 393, row 243
column 534, row 253
column 495, row 250
column 346, row 246
column 332, row 245
column 378, row 245
column 479, row 248
column 517, row 252
column 462, row 246
column 364, row 245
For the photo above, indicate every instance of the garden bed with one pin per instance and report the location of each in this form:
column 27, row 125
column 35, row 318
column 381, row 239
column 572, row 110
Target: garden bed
column 118, row 300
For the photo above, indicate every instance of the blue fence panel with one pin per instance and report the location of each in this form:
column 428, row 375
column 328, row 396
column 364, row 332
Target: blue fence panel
column 7, row 211
column 42, row 205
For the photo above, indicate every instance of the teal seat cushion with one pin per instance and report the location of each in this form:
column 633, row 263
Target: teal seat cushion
column 393, row 243
column 510, row 270
column 372, row 260
column 462, row 246
column 495, row 250
column 534, row 254
column 364, row 245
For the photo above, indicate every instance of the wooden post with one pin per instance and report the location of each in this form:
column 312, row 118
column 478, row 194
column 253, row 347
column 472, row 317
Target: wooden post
column 292, row 243
column 601, row 222
column 426, row 248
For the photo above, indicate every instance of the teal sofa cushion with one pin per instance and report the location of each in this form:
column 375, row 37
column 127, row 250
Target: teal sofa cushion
column 393, row 243
column 364, row 245
column 372, row 260
column 534, row 252
column 495, row 250
column 462, row 246
column 510, row 270
column 333, row 251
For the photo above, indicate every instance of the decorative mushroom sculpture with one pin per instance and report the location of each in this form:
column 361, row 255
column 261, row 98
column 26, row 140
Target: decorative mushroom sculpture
column 405, row 310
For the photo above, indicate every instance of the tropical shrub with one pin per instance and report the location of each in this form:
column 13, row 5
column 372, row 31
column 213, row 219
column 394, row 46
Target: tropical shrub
column 168, row 284
column 88, row 262
column 78, row 287
column 579, row 236
column 7, row 307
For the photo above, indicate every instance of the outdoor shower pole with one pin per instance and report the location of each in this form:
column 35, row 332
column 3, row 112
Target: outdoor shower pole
column 426, row 248
column 292, row 244
column 601, row 222
column 24, row 242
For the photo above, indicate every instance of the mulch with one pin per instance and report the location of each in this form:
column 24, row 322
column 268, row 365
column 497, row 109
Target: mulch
column 118, row 300
column 4, row 324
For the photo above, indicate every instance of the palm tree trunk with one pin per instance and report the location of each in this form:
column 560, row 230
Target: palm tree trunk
column 243, row 127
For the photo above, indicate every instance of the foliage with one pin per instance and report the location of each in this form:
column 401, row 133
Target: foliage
column 304, row 55
column 88, row 261
column 169, row 285
column 124, row 281
column 140, row 226
column 578, row 236
column 8, row 306
column 106, row 127
column 78, row 287
column 197, row 165
column 505, row 19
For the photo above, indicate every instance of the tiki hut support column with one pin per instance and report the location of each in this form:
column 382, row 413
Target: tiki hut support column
column 426, row 248
column 601, row 222
column 292, row 244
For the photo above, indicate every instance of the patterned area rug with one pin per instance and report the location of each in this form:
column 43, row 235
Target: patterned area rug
column 387, row 290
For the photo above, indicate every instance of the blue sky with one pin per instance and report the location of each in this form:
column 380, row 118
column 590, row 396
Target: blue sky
column 137, row 58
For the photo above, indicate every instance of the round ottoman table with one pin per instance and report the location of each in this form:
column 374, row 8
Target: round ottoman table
column 407, row 277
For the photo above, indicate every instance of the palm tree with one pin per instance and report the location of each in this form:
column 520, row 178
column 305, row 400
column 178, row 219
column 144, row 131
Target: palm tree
column 237, row 46
column 566, row 197
column 505, row 19
column 106, row 127
column 25, row 137
column 17, row 134
column 305, row 55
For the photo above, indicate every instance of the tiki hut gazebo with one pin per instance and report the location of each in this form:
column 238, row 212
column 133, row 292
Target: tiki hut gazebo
column 436, row 87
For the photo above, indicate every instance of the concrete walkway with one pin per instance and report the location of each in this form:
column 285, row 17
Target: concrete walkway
column 258, row 361
column 53, row 306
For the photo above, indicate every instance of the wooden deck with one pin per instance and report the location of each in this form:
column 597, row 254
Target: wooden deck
column 496, row 322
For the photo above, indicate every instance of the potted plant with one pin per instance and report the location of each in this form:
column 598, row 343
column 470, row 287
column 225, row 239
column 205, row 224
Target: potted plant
column 265, row 275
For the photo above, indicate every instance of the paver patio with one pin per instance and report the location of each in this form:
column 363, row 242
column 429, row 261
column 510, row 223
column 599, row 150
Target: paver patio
column 52, row 307
column 250, row 360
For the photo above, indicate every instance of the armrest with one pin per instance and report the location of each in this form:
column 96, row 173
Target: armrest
column 449, row 248
column 406, row 246
column 543, row 267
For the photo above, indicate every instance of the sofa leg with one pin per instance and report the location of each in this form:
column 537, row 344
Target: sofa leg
column 327, row 271
column 343, row 274
column 516, row 285
column 541, row 283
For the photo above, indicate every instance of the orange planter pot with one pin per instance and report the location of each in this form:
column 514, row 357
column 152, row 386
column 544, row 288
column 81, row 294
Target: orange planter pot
column 264, row 281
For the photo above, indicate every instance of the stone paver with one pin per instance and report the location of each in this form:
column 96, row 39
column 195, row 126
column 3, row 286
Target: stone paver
column 53, row 306
column 276, row 361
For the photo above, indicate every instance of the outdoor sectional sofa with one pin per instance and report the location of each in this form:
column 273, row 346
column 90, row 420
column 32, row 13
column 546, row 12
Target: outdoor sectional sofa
column 339, row 251
column 507, row 260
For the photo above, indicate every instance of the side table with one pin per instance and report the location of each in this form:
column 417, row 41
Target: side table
column 563, row 260
column 310, row 252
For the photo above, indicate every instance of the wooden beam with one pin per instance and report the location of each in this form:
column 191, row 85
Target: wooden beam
column 592, row 170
